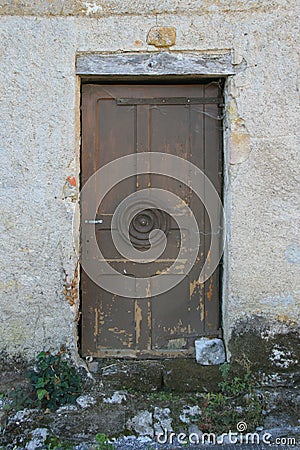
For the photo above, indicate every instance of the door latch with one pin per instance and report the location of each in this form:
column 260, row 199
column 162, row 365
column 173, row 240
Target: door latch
column 93, row 221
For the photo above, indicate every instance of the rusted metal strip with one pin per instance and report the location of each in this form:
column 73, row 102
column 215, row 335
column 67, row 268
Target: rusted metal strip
column 168, row 101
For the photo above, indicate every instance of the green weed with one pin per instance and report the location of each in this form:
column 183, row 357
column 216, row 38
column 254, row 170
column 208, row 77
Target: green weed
column 52, row 383
column 103, row 443
column 54, row 444
column 236, row 401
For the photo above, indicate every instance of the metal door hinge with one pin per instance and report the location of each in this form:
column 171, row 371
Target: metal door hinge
column 168, row 101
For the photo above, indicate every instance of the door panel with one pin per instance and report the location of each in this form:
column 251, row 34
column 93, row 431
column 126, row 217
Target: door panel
column 119, row 120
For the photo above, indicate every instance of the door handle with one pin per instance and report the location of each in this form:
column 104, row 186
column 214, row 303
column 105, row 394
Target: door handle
column 93, row 221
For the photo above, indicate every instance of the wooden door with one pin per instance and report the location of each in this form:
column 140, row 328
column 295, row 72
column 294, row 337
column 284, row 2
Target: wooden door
column 118, row 120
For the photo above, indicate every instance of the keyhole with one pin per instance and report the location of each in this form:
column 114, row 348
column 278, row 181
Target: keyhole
column 143, row 222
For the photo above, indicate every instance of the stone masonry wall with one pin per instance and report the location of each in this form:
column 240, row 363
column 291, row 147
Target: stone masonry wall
column 40, row 144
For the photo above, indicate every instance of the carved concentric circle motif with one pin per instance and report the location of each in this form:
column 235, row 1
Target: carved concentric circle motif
column 142, row 217
column 145, row 222
column 140, row 224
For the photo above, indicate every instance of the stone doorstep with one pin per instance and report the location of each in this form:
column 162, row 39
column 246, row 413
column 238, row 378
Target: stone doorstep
column 180, row 375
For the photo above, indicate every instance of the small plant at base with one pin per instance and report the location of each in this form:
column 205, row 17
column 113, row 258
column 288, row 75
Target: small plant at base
column 235, row 386
column 236, row 402
column 52, row 383
column 55, row 444
column 163, row 396
column 103, row 443
column 6, row 402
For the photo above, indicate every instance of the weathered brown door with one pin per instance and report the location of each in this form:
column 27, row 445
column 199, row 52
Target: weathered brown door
column 119, row 120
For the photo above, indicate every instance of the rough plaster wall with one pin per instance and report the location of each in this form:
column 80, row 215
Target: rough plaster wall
column 40, row 147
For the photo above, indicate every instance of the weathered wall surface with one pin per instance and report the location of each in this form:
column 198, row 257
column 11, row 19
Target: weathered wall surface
column 40, row 146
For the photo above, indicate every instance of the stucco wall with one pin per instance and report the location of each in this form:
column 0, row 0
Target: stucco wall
column 40, row 142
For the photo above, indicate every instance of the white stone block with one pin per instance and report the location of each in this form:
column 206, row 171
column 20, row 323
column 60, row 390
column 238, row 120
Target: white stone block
column 210, row 352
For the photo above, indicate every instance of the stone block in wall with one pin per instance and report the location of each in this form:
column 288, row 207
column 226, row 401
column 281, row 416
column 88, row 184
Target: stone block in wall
column 162, row 36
